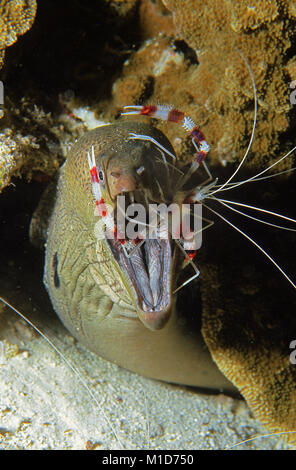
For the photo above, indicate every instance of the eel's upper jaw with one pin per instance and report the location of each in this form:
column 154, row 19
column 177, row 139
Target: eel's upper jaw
column 149, row 271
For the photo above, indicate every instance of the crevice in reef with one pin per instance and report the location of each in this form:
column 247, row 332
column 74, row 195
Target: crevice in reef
column 21, row 267
column 189, row 52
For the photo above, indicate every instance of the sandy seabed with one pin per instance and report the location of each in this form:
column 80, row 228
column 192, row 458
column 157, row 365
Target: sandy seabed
column 44, row 405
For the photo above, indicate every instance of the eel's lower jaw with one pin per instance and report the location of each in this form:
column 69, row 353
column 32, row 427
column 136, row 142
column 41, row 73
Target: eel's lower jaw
column 155, row 320
column 149, row 270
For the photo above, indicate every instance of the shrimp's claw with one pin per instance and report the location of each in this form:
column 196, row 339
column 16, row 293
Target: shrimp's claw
column 142, row 110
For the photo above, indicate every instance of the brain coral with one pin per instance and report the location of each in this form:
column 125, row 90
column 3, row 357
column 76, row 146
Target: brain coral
column 216, row 89
column 16, row 17
column 250, row 343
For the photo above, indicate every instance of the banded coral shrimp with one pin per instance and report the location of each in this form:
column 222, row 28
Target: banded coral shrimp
column 149, row 407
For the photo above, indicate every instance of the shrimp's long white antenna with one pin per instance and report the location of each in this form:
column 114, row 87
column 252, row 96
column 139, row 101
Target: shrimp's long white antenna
column 260, row 437
column 235, row 185
column 74, row 370
column 254, row 243
column 251, row 180
column 226, row 203
column 253, row 129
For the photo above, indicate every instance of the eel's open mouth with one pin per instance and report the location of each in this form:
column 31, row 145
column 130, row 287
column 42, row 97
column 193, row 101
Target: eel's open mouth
column 149, row 270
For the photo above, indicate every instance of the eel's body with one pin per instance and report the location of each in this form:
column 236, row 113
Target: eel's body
column 96, row 291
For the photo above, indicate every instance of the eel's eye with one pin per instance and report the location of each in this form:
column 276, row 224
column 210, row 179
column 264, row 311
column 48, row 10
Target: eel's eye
column 101, row 175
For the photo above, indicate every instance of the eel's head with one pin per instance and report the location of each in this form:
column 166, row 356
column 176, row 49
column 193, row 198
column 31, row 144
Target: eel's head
column 131, row 170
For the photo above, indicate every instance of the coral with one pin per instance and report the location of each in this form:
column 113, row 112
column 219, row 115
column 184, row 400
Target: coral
column 154, row 18
column 216, row 88
column 250, row 344
column 151, row 75
column 33, row 142
column 16, row 17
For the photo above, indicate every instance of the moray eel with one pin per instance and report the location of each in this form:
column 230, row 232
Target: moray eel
column 120, row 307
